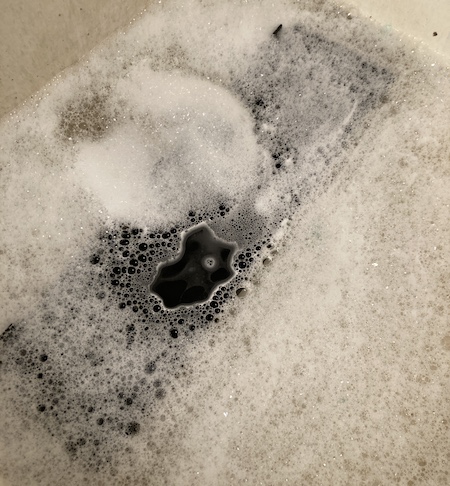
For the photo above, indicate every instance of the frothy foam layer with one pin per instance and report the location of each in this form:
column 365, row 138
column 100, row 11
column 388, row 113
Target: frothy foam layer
column 183, row 126
column 322, row 360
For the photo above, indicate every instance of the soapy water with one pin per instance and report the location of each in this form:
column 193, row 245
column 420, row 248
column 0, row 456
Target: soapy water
column 203, row 264
column 172, row 159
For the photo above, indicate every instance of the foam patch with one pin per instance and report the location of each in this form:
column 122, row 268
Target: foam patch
column 224, row 256
column 182, row 126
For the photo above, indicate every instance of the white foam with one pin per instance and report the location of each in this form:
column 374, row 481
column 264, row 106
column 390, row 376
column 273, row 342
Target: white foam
column 184, row 151
column 333, row 368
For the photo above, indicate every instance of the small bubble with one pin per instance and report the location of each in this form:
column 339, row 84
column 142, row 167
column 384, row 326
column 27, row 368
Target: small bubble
column 209, row 262
column 133, row 428
column 150, row 367
column 160, row 393
column 241, row 292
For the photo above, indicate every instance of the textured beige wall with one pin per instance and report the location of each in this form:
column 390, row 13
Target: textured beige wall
column 39, row 38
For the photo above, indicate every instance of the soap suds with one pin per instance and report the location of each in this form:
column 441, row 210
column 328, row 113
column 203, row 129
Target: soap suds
column 321, row 149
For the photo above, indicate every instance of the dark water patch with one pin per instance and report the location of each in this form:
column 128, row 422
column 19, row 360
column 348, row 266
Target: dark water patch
column 204, row 264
